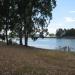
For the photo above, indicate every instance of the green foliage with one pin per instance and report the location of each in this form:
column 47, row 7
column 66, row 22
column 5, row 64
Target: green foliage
column 25, row 16
column 34, row 36
column 70, row 32
column 59, row 32
column 12, row 35
column 65, row 33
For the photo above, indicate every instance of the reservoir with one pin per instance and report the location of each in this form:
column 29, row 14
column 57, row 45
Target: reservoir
column 51, row 43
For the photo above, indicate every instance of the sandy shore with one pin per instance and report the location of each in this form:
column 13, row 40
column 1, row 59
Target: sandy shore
column 19, row 60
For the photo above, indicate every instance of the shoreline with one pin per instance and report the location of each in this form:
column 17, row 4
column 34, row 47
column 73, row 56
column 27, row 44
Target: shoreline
column 61, row 48
column 65, row 37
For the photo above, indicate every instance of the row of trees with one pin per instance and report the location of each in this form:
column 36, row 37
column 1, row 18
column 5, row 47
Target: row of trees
column 65, row 32
column 25, row 17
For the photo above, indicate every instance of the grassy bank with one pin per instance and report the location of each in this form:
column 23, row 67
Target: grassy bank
column 19, row 60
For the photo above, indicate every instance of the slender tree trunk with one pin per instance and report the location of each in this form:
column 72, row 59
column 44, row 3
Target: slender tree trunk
column 21, row 41
column 20, row 36
column 6, row 30
column 26, row 39
column 7, row 37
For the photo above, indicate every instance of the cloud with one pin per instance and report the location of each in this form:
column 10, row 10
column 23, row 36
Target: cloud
column 52, row 30
column 72, row 11
column 53, row 27
column 69, row 19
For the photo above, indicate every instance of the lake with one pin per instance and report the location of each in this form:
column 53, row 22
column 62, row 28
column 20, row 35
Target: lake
column 51, row 43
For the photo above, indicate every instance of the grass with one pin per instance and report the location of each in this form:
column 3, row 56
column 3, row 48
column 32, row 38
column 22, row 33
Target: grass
column 19, row 60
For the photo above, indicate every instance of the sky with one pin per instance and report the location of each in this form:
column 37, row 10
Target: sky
column 63, row 16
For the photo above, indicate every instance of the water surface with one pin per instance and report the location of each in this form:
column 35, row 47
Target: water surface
column 51, row 43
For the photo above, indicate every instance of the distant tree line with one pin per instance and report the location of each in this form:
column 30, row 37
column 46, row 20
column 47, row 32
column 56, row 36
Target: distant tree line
column 25, row 18
column 65, row 32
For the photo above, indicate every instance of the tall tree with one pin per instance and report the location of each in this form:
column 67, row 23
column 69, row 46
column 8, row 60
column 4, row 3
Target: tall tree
column 5, row 15
column 16, row 22
column 1, row 26
column 31, row 16
column 8, row 15
column 35, row 14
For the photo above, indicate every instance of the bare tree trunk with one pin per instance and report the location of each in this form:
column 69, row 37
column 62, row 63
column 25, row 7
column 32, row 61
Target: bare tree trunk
column 26, row 39
column 20, row 35
column 6, row 30
column 7, row 37
column 21, row 41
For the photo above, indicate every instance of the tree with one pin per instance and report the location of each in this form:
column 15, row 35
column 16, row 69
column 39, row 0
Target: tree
column 35, row 14
column 65, row 32
column 6, row 15
column 1, row 19
column 70, row 32
column 29, row 16
column 17, row 23
column 59, row 32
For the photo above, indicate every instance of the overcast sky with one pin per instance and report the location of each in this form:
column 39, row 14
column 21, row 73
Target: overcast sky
column 63, row 15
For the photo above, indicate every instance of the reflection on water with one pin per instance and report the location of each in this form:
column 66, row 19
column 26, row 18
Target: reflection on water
column 51, row 43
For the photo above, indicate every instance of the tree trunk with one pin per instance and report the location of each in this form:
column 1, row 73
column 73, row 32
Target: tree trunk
column 20, row 36
column 26, row 39
column 6, row 30
column 7, row 37
column 21, row 41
